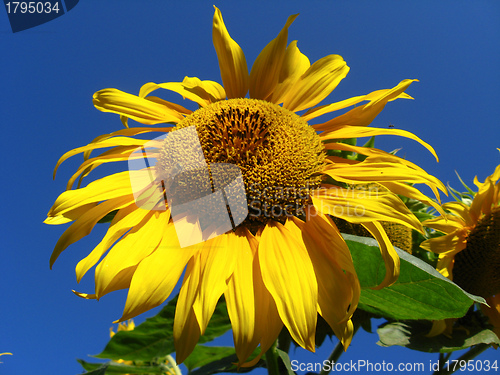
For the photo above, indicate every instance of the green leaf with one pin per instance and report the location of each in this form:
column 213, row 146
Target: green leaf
column 420, row 292
column 285, row 359
column 121, row 368
column 412, row 335
column 203, row 355
column 154, row 338
column 226, row 364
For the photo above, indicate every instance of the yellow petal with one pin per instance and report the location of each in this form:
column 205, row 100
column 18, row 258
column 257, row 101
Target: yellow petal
column 85, row 223
column 360, row 206
column 321, row 110
column 365, row 114
column 202, row 92
column 240, row 297
column 266, row 69
column 217, row 266
column 69, row 216
column 109, row 187
column 103, row 143
column 157, row 275
column 347, row 131
column 338, row 291
column 389, row 255
column 132, row 248
column 450, row 243
column 288, row 274
column 125, row 219
column 316, row 83
column 148, row 111
column 232, row 62
column 186, row 327
column 294, row 65
column 438, row 327
column 461, row 210
column 446, row 224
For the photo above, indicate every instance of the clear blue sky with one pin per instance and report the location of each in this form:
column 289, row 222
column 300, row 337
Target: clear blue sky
column 50, row 72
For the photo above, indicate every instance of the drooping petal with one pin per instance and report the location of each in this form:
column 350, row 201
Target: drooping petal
column 109, row 187
column 446, row 224
column 338, row 285
column 149, row 111
column 136, row 245
column 69, row 216
column 240, row 297
column 103, row 143
column 157, row 275
column 125, row 219
column 186, row 328
column 365, row 114
column 294, row 65
column 266, row 69
column 217, row 266
column 389, row 255
column 316, row 83
column 360, row 206
column 461, row 210
column 85, row 223
column 232, row 62
column 289, row 276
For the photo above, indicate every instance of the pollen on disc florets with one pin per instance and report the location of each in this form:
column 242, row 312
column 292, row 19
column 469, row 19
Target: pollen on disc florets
column 477, row 268
column 279, row 155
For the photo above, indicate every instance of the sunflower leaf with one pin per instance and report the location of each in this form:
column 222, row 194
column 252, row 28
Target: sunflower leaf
column 420, row 292
column 203, row 355
column 216, row 365
column 285, row 359
column 154, row 338
column 412, row 335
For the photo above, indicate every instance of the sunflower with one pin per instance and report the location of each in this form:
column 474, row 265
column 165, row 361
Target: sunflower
column 469, row 250
column 286, row 261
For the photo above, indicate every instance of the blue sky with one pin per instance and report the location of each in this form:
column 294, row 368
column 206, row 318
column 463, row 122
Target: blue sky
column 50, row 72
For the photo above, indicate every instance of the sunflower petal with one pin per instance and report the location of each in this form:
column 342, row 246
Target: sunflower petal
column 360, row 206
column 266, row 69
column 348, row 131
column 450, row 243
column 288, row 274
column 186, row 328
column 112, row 186
column 365, row 114
column 136, row 245
column 232, row 62
column 294, row 65
column 148, row 111
column 240, row 297
column 202, row 92
column 157, row 275
column 218, row 263
column 85, row 223
column 316, row 83
column 125, row 219
column 389, row 255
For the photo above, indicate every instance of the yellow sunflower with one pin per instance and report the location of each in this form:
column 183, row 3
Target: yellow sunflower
column 469, row 250
column 286, row 261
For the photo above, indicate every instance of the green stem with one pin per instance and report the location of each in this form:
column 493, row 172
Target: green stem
column 272, row 360
column 284, row 340
column 337, row 352
column 473, row 352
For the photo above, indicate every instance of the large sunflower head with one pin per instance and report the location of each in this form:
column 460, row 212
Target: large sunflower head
column 278, row 258
column 469, row 250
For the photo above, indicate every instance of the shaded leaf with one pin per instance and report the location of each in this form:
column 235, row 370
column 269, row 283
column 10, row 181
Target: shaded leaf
column 285, row 359
column 203, row 355
column 154, row 338
column 420, row 292
column 412, row 335
column 120, row 368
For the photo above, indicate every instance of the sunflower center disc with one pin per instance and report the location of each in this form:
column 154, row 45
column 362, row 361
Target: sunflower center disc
column 279, row 155
column 476, row 268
